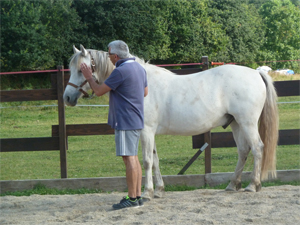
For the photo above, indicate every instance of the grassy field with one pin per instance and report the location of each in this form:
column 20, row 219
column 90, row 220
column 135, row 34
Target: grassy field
column 94, row 156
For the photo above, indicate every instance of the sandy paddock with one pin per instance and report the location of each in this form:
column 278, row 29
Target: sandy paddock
column 273, row 205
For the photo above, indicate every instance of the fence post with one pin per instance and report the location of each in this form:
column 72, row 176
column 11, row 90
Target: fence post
column 207, row 135
column 205, row 63
column 61, row 122
column 207, row 139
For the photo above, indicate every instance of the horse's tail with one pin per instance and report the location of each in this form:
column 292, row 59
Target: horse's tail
column 268, row 129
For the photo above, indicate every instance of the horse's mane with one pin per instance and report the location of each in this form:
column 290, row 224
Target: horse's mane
column 147, row 65
column 103, row 64
column 106, row 67
column 73, row 59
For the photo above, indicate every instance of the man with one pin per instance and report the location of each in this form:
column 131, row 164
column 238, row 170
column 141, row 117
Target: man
column 128, row 87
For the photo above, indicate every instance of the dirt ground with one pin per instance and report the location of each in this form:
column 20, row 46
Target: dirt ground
column 272, row 205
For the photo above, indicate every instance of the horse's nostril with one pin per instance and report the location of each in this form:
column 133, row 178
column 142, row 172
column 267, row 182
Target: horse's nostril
column 67, row 98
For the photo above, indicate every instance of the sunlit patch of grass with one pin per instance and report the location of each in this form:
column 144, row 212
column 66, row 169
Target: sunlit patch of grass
column 279, row 77
column 41, row 189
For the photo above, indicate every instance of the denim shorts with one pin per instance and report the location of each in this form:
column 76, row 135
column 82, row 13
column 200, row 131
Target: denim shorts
column 127, row 142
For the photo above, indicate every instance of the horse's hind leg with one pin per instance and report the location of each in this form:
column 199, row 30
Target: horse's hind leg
column 243, row 151
column 257, row 147
column 247, row 137
column 159, row 183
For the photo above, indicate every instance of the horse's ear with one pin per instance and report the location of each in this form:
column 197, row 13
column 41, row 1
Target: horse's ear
column 83, row 51
column 75, row 50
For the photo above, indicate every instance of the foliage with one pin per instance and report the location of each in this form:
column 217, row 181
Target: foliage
column 104, row 21
column 243, row 28
column 296, row 3
column 35, row 34
column 61, row 20
column 23, row 38
column 40, row 34
column 281, row 19
column 172, row 31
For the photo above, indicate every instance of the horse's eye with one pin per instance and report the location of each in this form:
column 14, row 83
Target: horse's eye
column 79, row 71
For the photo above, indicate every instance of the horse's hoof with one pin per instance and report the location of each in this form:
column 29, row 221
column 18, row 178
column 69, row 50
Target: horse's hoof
column 258, row 188
column 146, row 199
column 147, row 195
column 159, row 192
column 230, row 187
column 251, row 188
column 159, row 195
column 238, row 186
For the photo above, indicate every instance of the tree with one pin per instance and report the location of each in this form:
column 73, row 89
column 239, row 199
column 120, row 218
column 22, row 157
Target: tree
column 243, row 27
column 61, row 21
column 35, row 34
column 296, row 3
column 281, row 19
column 139, row 23
column 256, row 3
column 192, row 32
column 169, row 31
column 23, row 37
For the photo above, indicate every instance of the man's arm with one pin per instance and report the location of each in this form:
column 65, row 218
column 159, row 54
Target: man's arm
column 146, row 91
column 98, row 89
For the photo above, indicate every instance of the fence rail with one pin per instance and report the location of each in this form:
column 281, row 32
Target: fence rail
column 225, row 139
column 29, row 144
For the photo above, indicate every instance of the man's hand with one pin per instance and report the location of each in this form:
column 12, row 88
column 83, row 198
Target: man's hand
column 86, row 71
column 98, row 89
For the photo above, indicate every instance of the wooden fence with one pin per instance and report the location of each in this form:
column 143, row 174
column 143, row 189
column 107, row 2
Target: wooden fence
column 60, row 132
column 41, row 143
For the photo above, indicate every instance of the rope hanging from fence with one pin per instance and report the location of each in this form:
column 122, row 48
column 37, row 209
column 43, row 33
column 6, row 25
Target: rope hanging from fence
column 162, row 65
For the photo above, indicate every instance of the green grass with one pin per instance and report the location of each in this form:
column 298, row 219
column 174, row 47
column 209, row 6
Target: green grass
column 94, row 156
column 41, row 189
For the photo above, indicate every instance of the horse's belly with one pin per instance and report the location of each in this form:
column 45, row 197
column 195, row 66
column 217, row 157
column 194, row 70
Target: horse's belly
column 182, row 131
column 189, row 124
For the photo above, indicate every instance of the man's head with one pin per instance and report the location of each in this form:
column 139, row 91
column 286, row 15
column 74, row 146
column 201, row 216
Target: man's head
column 118, row 50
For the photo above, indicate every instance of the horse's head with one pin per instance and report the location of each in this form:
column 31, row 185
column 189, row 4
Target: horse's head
column 77, row 85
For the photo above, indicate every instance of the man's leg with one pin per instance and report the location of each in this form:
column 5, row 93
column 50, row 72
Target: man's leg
column 133, row 175
column 127, row 147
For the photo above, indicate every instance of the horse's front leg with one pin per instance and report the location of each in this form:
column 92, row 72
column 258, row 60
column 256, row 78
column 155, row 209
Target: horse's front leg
column 147, row 141
column 159, row 183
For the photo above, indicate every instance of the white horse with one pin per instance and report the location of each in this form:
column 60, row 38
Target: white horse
column 194, row 104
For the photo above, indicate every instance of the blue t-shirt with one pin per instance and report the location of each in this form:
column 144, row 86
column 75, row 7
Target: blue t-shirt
column 126, row 101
